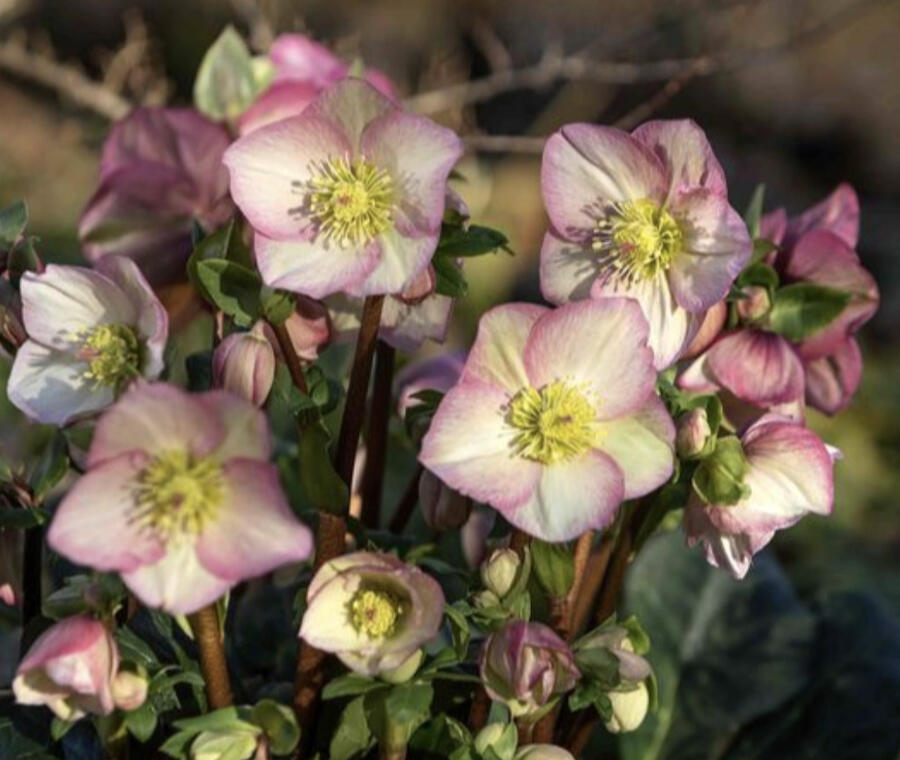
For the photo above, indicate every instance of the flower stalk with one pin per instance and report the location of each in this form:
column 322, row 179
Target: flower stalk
column 205, row 627
column 377, row 437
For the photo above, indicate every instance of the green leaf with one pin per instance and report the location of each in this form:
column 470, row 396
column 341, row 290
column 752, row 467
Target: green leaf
column 758, row 274
column 223, row 719
column 233, row 288
column 450, row 280
column 350, row 685
column 753, row 214
column 279, row 724
column 554, row 566
column 14, row 745
column 277, row 305
column 761, row 248
column 720, row 478
column 59, row 728
column 141, row 723
column 321, row 484
column 599, row 666
column 472, row 241
column 51, row 468
column 134, row 649
column 227, row 81
column 13, row 221
column 352, row 737
column 802, row 309
column 394, row 715
column 459, row 631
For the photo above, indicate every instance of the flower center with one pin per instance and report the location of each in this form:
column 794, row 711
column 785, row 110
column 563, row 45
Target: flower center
column 177, row 494
column 113, row 355
column 375, row 612
column 555, row 423
column 641, row 239
column 351, row 201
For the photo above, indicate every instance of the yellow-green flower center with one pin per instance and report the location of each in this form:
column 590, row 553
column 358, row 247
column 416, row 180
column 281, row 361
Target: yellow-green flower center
column 113, row 354
column 554, row 424
column 178, row 494
column 351, row 201
column 375, row 612
column 641, row 238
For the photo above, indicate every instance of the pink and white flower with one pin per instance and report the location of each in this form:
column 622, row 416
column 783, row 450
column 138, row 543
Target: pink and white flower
column 70, row 669
column 790, row 474
column 346, row 197
column 90, row 334
column 181, row 489
column 372, row 610
column 555, row 420
column 643, row 215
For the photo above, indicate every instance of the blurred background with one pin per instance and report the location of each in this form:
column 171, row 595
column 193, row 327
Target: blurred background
column 799, row 94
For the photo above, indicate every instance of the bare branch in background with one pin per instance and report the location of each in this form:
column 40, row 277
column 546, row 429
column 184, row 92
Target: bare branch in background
column 490, row 45
column 254, row 16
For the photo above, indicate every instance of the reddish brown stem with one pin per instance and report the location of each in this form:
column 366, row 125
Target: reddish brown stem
column 594, row 573
column 377, row 437
column 615, row 576
column 205, row 626
column 290, row 357
column 407, row 503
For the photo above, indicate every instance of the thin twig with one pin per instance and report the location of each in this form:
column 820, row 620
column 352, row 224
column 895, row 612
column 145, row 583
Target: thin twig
column 205, row 626
column 593, row 579
column 377, row 436
column 656, row 102
column 290, row 357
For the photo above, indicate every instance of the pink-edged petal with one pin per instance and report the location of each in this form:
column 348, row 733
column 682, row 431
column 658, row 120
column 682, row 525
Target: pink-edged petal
column 254, row 530
column 642, row 445
column 358, row 561
column 599, row 343
column 832, row 380
column 418, row 155
column 316, row 269
column 731, row 552
column 64, row 301
column 572, row 497
column 297, row 57
column 586, row 168
column 838, row 214
column 568, row 269
column 696, row 377
column 50, row 386
column 177, row 583
column 470, row 447
column 155, row 418
column 496, row 357
column 671, row 328
column 758, row 367
column 713, row 321
column 326, row 623
column 352, row 104
column 152, row 319
column 400, row 260
column 270, row 169
column 405, row 327
column 281, row 101
column 686, row 153
column 246, row 427
column 102, row 503
column 716, row 247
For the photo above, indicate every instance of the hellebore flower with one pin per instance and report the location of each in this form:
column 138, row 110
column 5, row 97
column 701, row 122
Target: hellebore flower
column 525, row 665
column 372, row 610
column 182, row 491
column 818, row 247
column 643, row 215
column 789, row 474
column 70, row 669
column 346, row 197
column 160, row 173
column 244, row 363
column 90, row 333
column 555, row 420
column 303, row 68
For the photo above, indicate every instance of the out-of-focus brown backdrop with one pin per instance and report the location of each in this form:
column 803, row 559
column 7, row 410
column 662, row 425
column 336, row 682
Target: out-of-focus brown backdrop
column 799, row 94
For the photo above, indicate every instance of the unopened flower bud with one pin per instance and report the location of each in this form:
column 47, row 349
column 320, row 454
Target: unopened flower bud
column 693, row 438
column 629, row 708
column 442, row 507
column 755, row 304
column 719, row 479
column 129, row 690
column 214, row 745
column 499, row 571
column 543, row 752
column 244, row 363
column 502, row 738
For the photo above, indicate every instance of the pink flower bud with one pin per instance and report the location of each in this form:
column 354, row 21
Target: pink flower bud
column 755, row 304
column 442, row 507
column 70, row 669
column 244, row 363
column 129, row 690
column 693, row 434
column 525, row 665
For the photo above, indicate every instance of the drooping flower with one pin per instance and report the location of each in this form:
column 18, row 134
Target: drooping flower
column 555, row 419
column 303, row 68
column 790, row 473
column 346, row 197
column 90, row 334
column 182, row 491
column 643, row 215
column 244, row 363
column 160, row 173
column 525, row 665
column 70, row 668
column 372, row 610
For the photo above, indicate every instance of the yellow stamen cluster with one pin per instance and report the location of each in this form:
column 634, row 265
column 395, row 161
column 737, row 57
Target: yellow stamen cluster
column 351, row 200
column 375, row 612
column 113, row 354
column 177, row 494
column 641, row 238
column 555, row 423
